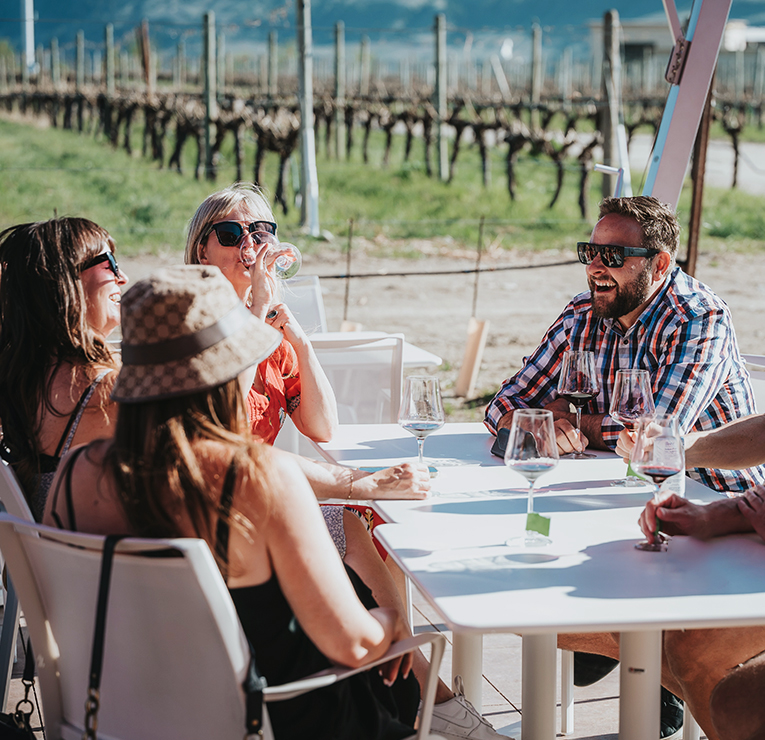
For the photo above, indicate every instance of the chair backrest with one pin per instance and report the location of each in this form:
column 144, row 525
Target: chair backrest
column 757, row 379
column 755, row 361
column 175, row 655
column 366, row 375
column 303, row 296
column 11, row 494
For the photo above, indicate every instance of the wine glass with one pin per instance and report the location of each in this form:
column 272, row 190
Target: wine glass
column 578, row 382
column 531, row 451
column 658, row 455
column 421, row 410
column 287, row 256
column 631, row 402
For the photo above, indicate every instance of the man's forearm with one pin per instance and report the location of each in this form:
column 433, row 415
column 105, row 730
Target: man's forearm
column 739, row 444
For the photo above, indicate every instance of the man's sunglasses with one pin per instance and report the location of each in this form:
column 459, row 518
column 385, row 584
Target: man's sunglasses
column 611, row 254
column 231, row 233
column 103, row 257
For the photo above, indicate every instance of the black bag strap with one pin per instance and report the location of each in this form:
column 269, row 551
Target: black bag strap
column 99, row 634
column 253, row 687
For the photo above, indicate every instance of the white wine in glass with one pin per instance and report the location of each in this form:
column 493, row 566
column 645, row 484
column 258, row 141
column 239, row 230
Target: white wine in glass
column 578, row 382
column 531, row 451
column 421, row 409
column 658, row 455
column 631, row 403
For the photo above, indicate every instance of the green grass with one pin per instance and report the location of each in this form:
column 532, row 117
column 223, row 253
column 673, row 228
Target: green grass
column 49, row 171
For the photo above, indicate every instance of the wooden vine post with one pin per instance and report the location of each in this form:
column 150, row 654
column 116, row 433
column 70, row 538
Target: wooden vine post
column 440, row 99
column 55, row 64
column 210, row 96
column 80, row 62
column 309, row 181
column 109, row 44
column 537, row 74
column 273, row 64
column 339, row 89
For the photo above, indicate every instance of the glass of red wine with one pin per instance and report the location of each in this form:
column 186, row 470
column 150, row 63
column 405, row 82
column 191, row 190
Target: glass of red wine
column 631, row 403
column 658, row 455
column 578, row 382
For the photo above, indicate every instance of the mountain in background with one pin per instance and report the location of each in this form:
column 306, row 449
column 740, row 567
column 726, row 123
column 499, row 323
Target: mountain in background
column 394, row 26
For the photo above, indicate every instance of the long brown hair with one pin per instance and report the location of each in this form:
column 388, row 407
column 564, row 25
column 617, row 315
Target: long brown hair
column 43, row 324
column 157, row 471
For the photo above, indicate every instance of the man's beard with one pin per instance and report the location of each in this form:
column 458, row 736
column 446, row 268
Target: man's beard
column 626, row 298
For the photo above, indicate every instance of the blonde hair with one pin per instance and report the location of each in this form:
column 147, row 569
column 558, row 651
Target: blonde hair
column 216, row 207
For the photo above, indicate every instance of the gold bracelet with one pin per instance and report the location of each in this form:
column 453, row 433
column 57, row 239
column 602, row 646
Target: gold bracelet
column 350, row 489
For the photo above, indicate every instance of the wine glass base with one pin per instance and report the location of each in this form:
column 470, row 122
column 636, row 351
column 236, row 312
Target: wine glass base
column 631, row 481
column 578, row 455
column 652, row 546
column 529, row 539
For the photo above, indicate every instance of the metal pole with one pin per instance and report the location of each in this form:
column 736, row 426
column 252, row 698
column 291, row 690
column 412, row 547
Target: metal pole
column 478, row 264
column 221, row 61
column 348, row 270
column 339, row 89
column 109, row 43
column 440, row 98
column 610, row 94
column 211, row 105
column 28, row 29
column 309, row 185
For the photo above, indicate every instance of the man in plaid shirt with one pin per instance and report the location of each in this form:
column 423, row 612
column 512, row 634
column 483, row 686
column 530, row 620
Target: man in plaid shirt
column 641, row 311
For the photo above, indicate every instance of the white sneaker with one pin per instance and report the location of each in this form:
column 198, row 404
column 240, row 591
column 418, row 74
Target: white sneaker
column 458, row 719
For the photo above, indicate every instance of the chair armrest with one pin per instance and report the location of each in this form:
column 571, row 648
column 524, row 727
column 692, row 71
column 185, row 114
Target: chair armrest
column 337, row 673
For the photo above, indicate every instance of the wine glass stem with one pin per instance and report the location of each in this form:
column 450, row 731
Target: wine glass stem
column 420, row 444
column 579, row 423
column 530, row 501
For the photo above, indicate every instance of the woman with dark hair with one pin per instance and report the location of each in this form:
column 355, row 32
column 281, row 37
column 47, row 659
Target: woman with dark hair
column 59, row 300
column 183, row 464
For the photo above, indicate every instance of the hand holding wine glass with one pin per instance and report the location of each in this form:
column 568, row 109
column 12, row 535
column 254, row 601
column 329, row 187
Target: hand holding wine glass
column 285, row 257
column 631, row 402
column 658, row 455
column 421, row 409
column 531, row 451
column 578, row 382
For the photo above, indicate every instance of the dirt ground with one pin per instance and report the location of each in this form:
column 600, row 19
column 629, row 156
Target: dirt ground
column 433, row 310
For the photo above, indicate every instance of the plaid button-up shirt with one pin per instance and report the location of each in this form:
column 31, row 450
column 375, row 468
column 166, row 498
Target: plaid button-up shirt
column 686, row 341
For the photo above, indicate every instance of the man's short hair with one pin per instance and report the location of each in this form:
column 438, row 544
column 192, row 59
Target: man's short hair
column 657, row 220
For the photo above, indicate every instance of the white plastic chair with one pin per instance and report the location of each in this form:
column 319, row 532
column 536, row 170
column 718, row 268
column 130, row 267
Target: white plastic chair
column 175, row 654
column 303, row 296
column 366, row 375
column 755, row 364
column 14, row 502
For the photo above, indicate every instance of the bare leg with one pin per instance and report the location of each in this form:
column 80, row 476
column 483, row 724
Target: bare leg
column 699, row 660
column 736, row 705
column 607, row 643
column 362, row 556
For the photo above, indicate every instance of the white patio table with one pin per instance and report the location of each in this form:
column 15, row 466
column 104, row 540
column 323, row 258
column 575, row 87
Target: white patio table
column 590, row 579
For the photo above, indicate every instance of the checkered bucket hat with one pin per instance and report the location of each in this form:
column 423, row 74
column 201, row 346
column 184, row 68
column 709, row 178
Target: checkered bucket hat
column 184, row 329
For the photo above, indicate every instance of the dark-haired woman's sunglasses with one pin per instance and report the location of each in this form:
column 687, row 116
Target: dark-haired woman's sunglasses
column 610, row 254
column 98, row 259
column 231, row 233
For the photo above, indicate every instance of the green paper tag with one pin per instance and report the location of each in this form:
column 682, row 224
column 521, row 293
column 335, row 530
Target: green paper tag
column 630, row 471
column 538, row 523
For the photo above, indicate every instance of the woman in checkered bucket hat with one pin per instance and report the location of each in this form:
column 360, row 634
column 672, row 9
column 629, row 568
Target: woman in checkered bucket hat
column 183, row 464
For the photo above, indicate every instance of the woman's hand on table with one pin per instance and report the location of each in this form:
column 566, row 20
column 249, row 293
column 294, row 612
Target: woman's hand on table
column 678, row 516
column 752, row 507
column 405, row 481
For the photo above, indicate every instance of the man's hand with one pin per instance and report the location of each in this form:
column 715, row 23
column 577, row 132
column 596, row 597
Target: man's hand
column 678, row 516
column 752, row 506
column 567, row 438
column 625, row 444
